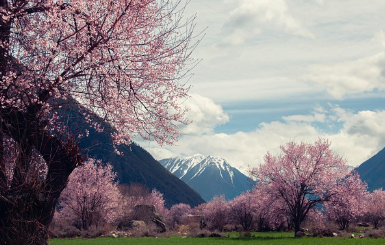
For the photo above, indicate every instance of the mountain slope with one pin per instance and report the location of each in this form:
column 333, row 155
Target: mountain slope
column 209, row 176
column 372, row 171
column 133, row 165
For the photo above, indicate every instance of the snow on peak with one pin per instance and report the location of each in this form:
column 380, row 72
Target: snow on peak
column 195, row 157
column 183, row 164
column 199, row 163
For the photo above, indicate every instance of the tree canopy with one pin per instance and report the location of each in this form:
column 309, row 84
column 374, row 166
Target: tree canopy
column 302, row 176
column 120, row 59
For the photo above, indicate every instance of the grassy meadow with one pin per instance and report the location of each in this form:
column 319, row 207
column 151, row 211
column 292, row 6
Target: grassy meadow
column 260, row 238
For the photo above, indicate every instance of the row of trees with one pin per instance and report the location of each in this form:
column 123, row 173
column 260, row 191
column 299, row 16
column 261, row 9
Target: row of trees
column 305, row 183
column 253, row 211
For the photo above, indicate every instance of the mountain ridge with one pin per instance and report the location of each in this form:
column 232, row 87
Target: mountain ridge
column 132, row 164
column 209, row 175
column 372, row 171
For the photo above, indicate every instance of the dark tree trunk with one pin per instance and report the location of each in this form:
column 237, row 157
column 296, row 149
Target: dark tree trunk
column 27, row 206
column 343, row 224
column 375, row 223
column 297, row 227
column 5, row 28
column 25, row 220
column 247, row 221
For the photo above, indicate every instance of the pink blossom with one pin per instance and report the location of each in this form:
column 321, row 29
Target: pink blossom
column 91, row 196
column 301, row 177
column 349, row 200
column 216, row 212
column 375, row 207
column 178, row 214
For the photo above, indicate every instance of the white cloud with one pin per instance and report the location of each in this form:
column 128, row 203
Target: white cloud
column 241, row 149
column 251, row 17
column 367, row 124
column 315, row 117
column 250, row 89
column 343, row 31
column 350, row 77
column 204, row 114
column 353, row 76
column 343, row 60
column 360, row 137
column 379, row 37
column 320, row 2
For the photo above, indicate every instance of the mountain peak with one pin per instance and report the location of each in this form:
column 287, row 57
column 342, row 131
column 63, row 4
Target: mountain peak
column 372, row 171
column 196, row 157
column 210, row 176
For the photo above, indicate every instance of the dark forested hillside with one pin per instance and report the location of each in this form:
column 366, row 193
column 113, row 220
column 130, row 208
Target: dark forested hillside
column 372, row 171
column 134, row 164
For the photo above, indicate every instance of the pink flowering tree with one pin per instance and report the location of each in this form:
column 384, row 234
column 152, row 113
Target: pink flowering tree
column 216, row 213
column 244, row 209
column 91, row 197
column 349, row 200
column 178, row 214
column 316, row 220
column 156, row 199
column 138, row 194
column 375, row 208
column 119, row 59
column 270, row 213
column 302, row 176
column 132, row 195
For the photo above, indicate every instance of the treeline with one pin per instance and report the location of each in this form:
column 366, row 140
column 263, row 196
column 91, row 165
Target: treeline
column 307, row 185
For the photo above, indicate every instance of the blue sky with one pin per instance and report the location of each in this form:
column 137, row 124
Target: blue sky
column 244, row 115
column 279, row 70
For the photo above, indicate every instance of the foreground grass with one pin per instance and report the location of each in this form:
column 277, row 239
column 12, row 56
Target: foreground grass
column 260, row 238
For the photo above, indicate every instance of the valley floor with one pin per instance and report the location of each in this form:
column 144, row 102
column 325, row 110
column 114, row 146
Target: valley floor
column 260, row 238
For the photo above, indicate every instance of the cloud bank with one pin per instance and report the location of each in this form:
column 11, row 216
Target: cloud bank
column 303, row 53
column 360, row 136
column 350, row 77
column 250, row 18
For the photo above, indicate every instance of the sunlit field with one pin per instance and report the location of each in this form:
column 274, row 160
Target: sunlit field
column 261, row 238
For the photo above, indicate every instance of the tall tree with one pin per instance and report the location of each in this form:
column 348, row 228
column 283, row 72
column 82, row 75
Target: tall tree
column 91, row 197
column 270, row 213
column 137, row 194
column 243, row 210
column 349, row 201
column 178, row 214
column 302, row 176
column 156, row 199
column 216, row 213
column 120, row 59
column 375, row 207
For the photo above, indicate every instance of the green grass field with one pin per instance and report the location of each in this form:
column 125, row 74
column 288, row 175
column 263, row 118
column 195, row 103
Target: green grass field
column 264, row 238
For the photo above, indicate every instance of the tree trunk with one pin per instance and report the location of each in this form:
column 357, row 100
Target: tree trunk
column 343, row 223
column 26, row 219
column 375, row 223
column 297, row 227
column 27, row 206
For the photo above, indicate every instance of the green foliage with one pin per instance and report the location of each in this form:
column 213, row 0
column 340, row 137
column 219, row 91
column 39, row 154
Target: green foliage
column 260, row 238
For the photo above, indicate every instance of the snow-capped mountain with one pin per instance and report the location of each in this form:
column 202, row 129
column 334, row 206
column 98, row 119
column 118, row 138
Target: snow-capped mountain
column 209, row 176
